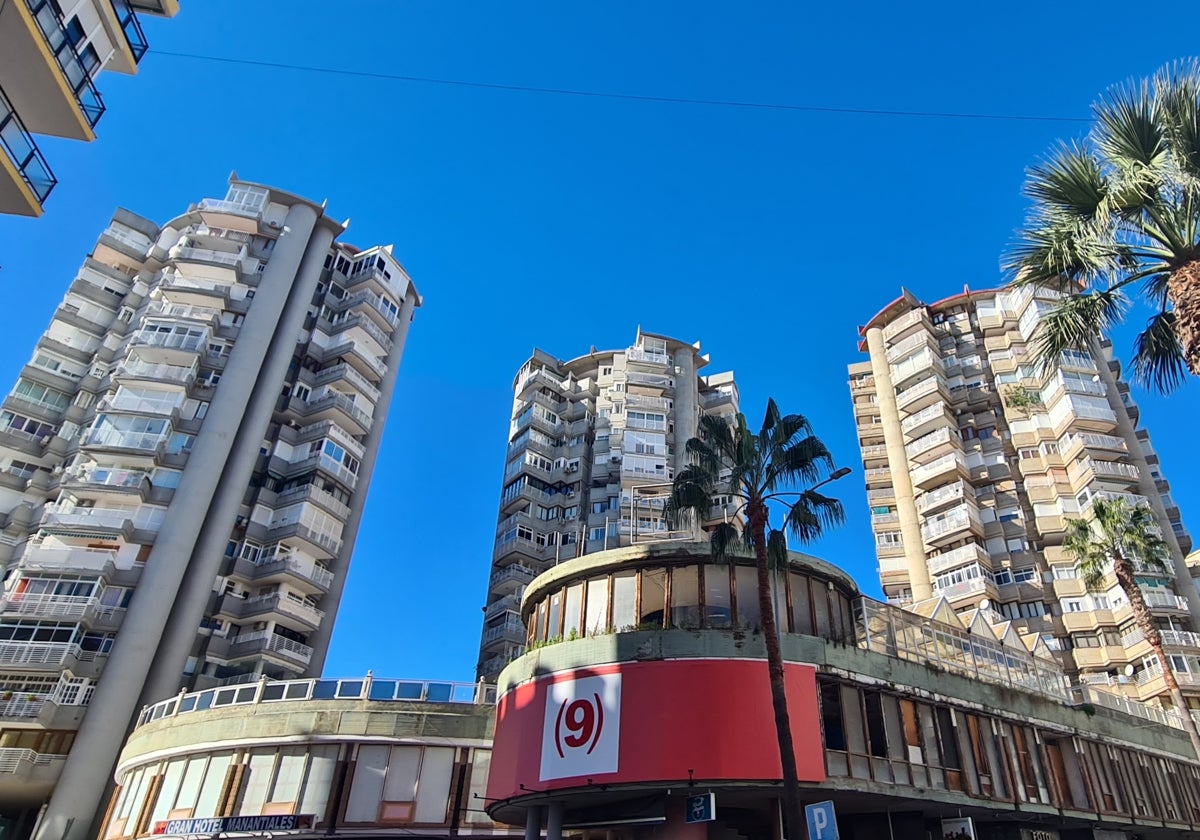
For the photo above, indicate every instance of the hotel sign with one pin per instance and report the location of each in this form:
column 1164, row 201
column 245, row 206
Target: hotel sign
column 226, row 825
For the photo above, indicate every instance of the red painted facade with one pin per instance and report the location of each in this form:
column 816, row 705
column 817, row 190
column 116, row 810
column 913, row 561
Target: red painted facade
column 651, row 722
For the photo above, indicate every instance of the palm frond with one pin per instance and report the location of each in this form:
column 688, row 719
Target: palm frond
column 1074, row 322
column 1177, row 87
column 1158, row 359
column 717, row 433
column 812, row 514
column 1069, row 180
column 1061, row 251
column 1080, row 542
column 802, row 462
column 1129, row 131
column 691, row 497
column 725, row 540
column 777, row 550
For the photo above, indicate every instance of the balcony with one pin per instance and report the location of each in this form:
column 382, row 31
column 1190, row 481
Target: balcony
column 284, row 606
column 519, row 548
column 961, row 556
column 132, row 29
column 944, row 496
column 344, row 372
column 50, row 24
column 136, row 369
column 878, row 475
column 284, row 567
column 358, row 354
column 1162, row 599
column 922, row 395
column 638, row 401
column 312, row 493
column 362, row 322
column 210, row 256
column 319, row 541
column 933, row 445
column 976, row 588
column 326, row 464
column 927, row 420
column 1102, row 447
column 1083, row 472
column 874, row 452
column 508, row 603
column 940, row 470
column 511, row 578
column 642, row 356
column 102, row 521
column 882, row 494
column 171, row 341
column 53, row 655
column 48, row 606
column 29, row 184
column 906, row 325
column 265, row 642
column 142, row 442
column 29, row 766
column 331, row 405
column 907, row 371
column 511, row 631
column 73, row 560
column 911, row 345
column 954, row 524
column 369, row 304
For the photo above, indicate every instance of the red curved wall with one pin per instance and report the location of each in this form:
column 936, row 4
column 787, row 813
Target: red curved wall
column 651, row 722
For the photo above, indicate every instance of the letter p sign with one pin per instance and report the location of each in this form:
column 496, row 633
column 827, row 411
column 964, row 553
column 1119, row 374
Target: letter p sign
column 822, row 821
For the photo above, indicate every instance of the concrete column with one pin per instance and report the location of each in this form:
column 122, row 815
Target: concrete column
column 687, row 403
column 319, row 639
column 77, row 796
column 893, row 438
column 533, row 822
column 1127, row 430
column 554, row 821
column 179, row 635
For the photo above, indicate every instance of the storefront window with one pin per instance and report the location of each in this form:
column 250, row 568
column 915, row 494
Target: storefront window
column 685, row 598
column 748, row 615
column 654, row 598
column 624, row 601
column 554, row 628
column 596, row 620
column 801, row 606
column 717, row 612
column 572, row 610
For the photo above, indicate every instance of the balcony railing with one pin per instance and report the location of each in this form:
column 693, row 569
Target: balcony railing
column 302, row 568
column 516, row 572
column 183, row 252
column 917, row 391
column 55, row 606
column 904, row 322
column 257, row 690
column 25, row 155
column 639, row 354
column 961, row 556
column 138, row 45
column 37, row 653
column 283, row 604
column 87, row 517
column 145, row 441
column 50, row 22
column 148, row 370
column 511, row 628
column 954, row 520
column 64, row 559
column 929, row 441
column 178, row 341
column 221, row 206
column 949, row 492
column 267, row 641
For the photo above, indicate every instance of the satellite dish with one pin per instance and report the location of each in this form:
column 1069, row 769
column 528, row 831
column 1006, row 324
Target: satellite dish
column 985, row 604
column 1129, row 670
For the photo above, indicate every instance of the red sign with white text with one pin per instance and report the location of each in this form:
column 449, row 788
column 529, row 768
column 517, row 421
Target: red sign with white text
column 652, row 722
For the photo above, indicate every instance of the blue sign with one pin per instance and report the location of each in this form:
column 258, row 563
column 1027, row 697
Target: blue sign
column 822, row 821
column 702, row 808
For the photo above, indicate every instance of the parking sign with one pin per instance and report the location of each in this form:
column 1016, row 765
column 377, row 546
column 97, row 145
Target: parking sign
column 822, row 821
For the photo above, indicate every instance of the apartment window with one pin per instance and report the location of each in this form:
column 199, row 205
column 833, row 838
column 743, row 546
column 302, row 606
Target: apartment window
column 889, row 538
column 596, row 534
column 1026, row 575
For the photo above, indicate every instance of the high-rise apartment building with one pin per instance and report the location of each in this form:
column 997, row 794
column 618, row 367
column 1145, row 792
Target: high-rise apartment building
column 184, row 462
column 593, row 444
column 50, row 54
column 974, row 461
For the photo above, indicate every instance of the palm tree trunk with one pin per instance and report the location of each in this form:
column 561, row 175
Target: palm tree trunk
column 1183, row 287
column 1123, row 570
column 792, row 811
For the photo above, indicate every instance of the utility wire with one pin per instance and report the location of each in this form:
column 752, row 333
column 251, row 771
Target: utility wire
column 629, row 97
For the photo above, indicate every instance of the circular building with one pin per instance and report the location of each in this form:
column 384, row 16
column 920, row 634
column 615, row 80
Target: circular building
column 310, row 757
column 643, row 701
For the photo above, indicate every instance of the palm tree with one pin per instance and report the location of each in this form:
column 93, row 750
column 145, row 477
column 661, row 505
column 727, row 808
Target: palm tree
column 757, row 470
column 1121, row 207
column 1121, row 535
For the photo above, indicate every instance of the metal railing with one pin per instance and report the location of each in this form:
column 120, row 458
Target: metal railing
column 138, row 45
column 50, row 22
column 639, row 354
column 184, row 252
column 11, row 758
column 906, row 635
column 304, row 568
column 18, row 144
column 269, row 641
column 367, row 688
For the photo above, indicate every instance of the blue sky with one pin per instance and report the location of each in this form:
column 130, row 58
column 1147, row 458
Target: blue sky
column 562, row 221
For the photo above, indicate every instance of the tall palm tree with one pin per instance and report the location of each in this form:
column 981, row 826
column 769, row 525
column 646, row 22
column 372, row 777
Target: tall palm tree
column 759, row 470
column 1121, row 207
column 1121, row 535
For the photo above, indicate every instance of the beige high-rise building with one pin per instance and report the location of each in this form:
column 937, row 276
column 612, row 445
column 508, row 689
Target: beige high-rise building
column 593, row 444
column 51, row 52
column 184, row 462
column 974, row 461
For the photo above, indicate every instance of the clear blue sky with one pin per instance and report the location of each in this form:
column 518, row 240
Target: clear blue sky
column 562, row 222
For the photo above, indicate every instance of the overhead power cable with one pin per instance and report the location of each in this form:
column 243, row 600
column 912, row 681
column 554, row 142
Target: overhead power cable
column 629, row 97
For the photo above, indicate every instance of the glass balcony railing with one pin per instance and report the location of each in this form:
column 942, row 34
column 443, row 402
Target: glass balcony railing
column 50, row 22
column 23, row 152
column 132, row 29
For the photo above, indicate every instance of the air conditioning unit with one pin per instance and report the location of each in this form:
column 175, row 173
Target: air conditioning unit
column 572, row 468
column 616, row 459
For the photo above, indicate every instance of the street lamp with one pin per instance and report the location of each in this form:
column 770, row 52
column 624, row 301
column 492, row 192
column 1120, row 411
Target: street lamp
column 840, row 472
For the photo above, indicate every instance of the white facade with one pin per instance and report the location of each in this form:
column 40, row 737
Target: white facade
column 183, row 466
